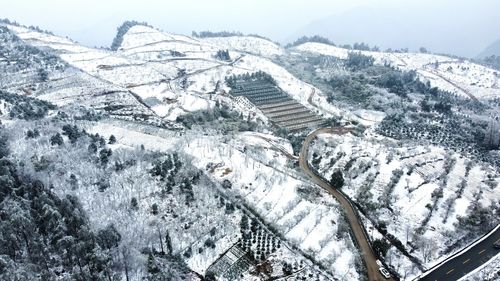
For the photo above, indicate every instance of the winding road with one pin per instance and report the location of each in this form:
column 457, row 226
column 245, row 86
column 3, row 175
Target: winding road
column 452, row 269
column 369, row 257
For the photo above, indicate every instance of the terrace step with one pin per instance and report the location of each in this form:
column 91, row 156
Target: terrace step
column 300, row 121
column 263, row 94
column 303, row 126
column 291, row 117
column 287, row 112
column 266, row 97
column 270, row 100
column 274, row 105
column 281, row 108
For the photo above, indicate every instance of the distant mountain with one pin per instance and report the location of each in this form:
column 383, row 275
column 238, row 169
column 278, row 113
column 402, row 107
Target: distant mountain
column 493, row 49
column 408, row 25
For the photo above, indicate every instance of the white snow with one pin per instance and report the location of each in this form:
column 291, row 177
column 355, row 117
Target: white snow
column 455, row 75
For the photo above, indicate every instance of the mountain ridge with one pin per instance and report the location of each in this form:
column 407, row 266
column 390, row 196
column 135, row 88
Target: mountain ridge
column 491, row 50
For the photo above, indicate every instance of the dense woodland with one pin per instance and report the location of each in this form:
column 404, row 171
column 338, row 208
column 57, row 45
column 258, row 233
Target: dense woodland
column 44, row 237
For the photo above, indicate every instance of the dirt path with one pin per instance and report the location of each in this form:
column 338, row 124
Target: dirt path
column 277, row 147
column 357, row 227
column 465, row 91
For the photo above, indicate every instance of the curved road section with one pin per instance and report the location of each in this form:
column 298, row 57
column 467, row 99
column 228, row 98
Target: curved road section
column 369, row 258
column 452, row 269
column 466, row 261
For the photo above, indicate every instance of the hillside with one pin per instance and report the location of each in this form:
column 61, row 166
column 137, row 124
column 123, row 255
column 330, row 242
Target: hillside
column 491, row 50
column 159, row 89
column 413, row 194
column 178, row 157
column 454, row 75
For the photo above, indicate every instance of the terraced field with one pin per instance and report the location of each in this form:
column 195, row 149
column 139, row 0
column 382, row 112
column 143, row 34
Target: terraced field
column 277, row 105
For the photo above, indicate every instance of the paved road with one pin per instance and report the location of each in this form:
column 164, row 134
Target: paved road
column 459, row 266
column 367, row 254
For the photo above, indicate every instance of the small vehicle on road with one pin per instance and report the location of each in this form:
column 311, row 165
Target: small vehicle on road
column 496, row 245
column 384, row 272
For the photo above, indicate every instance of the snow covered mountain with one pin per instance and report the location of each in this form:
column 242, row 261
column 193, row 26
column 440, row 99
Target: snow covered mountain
column 491, row 50
column 454, row 75
column 181, row 161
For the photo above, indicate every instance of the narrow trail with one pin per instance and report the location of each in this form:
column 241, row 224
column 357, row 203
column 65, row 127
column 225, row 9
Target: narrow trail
column 465, row 91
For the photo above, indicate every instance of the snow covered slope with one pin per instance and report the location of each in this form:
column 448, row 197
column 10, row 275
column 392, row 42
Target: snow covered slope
column 173, row 74
column 253, row 45
column 422, row 195
column 449, row 74
column 419, row 193
column 30, row 68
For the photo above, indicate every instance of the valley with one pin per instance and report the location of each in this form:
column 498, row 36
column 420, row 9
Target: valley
column 234, row 158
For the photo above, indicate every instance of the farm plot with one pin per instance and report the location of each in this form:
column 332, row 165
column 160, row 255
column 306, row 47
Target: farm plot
column 260, row 89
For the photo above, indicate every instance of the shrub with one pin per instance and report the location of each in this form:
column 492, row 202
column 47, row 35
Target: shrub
column 314, row 38
column 32, row 134
column 337, row 179
column 24, row 107
column 223, row 55
column 381, row 247
column 353, row 88
column 56, row 139
column 361, row 46
column 72, row 132
column 226, row 184
column 358, row 61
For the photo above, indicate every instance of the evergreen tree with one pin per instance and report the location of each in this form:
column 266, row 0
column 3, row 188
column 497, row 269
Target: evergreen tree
column 315, row 38
column 117, row 41
column 108, row 237
column 357, row 61
column 32, row 134
column 168, row 243
column 152, row 266
column 92, row 148
column 104, row 155
column 4, row 148
column 71, row 132
column 226, row 184
column 56, row 139
column 244, row 222
column 134, row 204
column 337, row 179
column 154, row 209
column 223, row 55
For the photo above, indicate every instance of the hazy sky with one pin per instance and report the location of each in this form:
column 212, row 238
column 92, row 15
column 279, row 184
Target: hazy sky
column 93, row 22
